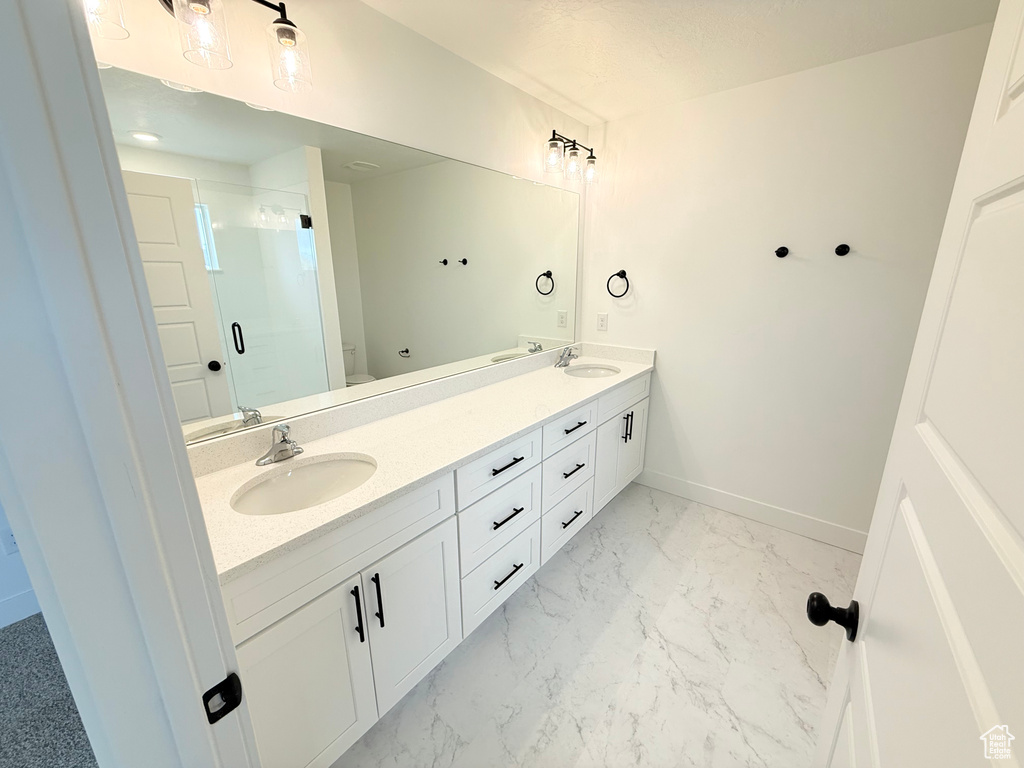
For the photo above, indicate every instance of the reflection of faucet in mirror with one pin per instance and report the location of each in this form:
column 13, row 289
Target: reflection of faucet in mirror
column 568, row 354
column 250, row 416
column 281, row 447
column 535, row 346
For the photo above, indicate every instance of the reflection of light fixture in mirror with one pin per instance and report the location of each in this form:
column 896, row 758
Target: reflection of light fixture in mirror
column 257, row 107
column 203, row 32
column 146, row 136
column 262, row 218
column 106, row 19
column 181, row 87
column 554, row 156
column 103, row 65
column 573, row 163
column 289, row 57
column 361, row 165
column 565, row 154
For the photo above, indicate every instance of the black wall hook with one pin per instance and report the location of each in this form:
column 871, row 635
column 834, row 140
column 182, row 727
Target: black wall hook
column 463, row 262
column 621, row 273
column 842, row 249
column 404, row 352
column 782, row 252
column 444, row 262
column 550, row 290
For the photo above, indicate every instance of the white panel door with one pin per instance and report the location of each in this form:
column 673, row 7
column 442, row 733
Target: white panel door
column 163, row 214
column 309, row 683
column 610, row 436
column 934, row 675
column 414, row 611
column 631, row 449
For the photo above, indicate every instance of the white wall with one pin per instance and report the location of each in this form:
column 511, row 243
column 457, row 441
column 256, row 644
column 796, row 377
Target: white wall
column 17, row 600
column 509, row 230
column 346, row 271
column 183, row 166
column 778, row 380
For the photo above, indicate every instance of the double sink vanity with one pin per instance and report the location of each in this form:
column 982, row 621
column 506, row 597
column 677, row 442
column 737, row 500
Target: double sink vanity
column 352, row 569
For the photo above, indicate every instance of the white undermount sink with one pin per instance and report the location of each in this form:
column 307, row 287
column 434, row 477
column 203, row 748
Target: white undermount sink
column 589, row 371
column 302, row 483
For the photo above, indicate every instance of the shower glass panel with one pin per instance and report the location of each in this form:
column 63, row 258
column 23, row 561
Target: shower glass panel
column 262, row 265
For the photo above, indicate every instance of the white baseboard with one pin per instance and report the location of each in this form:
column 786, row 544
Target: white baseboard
column 18, row 607
column 786, row 519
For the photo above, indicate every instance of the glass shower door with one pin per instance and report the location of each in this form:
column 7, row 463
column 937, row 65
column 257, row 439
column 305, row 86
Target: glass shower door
column 263, row 267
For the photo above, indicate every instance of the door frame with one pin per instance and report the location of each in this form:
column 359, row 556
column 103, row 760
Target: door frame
column 115, row 543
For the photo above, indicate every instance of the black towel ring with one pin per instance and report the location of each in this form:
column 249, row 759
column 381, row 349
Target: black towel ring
column 621, row 273
column 549, row 277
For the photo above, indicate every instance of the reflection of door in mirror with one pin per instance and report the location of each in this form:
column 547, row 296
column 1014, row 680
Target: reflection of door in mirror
column 162, row 211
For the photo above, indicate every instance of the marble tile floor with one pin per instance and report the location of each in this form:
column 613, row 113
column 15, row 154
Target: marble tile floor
column 666, row 633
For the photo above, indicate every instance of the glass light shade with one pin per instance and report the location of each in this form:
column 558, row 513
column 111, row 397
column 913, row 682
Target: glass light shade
column 590, row 170
column 554, row 155
column 573, row 163
column 289, row 57
column 203, row 32
column 106, row 19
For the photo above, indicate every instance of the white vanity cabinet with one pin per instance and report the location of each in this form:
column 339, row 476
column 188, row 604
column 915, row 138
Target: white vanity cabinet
column 309, row 683
column 620, row 452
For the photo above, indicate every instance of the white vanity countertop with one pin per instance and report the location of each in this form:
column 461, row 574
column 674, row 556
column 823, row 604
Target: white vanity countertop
column 410, row 448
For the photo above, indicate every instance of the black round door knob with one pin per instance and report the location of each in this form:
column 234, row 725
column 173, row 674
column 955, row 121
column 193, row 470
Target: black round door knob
column 782, row 252
column 820, row 612
column 842, row 249
column 214, row 366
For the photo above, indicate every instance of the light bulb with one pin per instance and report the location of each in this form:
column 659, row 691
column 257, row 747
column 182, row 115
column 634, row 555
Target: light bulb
column 573, row 163
column 554, row 156
column 264, row 217
column 590, row 169
column 289, row 57
column 106, row 19
column 202, row 30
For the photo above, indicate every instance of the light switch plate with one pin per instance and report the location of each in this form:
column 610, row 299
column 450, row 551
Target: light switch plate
column 602, row 321
column 9, row 544
column 563, row 318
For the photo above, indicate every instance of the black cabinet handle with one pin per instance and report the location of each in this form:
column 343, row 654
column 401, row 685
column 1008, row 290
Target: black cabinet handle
column 380, row 601
column 625, row 433
column 629, row 427
column 820, row 612
column 359, row 615
column 571, row 520
column 570, row 431
column 497, row 584
column 572, row 472
column 511, row 464
column 515, row 511
column 238, row 338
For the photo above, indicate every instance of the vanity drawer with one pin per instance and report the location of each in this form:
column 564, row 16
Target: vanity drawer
column 565, row 519
column 498, row 577
column 628, row 394
column 485, row 527
column 479, row 478
column 568, row 469
column 566, row 429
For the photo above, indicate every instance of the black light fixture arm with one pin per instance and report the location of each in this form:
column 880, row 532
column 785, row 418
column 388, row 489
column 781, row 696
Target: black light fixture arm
column 276, row 7
column 557, row 135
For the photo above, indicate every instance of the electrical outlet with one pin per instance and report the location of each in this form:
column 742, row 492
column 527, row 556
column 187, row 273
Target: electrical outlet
column 563, row 318
column 602, row 321
column 9, row 544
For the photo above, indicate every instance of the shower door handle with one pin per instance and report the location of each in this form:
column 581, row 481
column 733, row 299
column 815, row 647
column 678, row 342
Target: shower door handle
column 238, row 338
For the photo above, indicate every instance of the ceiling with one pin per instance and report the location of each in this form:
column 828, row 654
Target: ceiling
column 600, row 60
column 215, row 128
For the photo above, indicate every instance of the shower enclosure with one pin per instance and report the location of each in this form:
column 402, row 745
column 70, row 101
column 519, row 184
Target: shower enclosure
column 260, row 257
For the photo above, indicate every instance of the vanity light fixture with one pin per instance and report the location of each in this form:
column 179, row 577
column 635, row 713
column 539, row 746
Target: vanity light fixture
column 565, row 155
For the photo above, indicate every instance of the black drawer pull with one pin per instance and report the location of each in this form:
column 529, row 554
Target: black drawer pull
column 567, row 475
column 511, row 464
column 515, row 570
column 570, row 431
column 359, row 615
column 380, row 602
column 515, row 511
column 571, row 520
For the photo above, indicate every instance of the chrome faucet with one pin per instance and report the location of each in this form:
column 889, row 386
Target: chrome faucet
column 568, row 355
column 250, row 416
column 281, row 447
column 535, row 347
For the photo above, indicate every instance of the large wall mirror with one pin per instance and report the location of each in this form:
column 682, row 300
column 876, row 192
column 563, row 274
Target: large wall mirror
column 294, row 266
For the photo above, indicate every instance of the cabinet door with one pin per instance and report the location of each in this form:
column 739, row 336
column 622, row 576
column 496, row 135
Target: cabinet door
column 308, row 682
column 609, row 437
column 413, row 611
column 631, row 450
